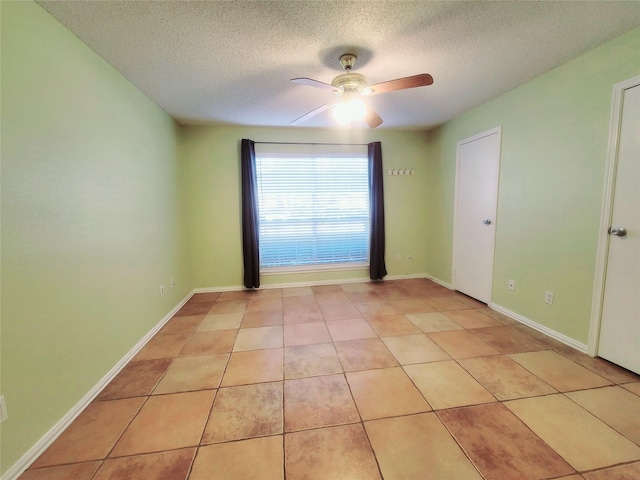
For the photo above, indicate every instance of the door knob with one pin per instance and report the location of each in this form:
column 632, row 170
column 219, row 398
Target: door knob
column 618, row 232
column 487, row 221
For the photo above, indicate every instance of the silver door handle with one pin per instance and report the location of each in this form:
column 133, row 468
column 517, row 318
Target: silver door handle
column 618, row 232
column 487, row 221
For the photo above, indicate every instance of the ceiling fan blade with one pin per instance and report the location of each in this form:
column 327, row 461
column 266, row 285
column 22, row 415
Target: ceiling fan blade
column 312, row 113
column 314, row 83
column 421, row 80
column 372, row 119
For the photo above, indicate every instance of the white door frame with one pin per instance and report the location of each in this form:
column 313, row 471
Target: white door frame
column 486, row 133
column 607, row 211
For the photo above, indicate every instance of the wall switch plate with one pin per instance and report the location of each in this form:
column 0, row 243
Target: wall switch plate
column 511, row 285
column 3, row 409
column 548, row 297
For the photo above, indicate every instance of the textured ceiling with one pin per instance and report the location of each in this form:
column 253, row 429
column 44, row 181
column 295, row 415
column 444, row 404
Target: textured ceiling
column 230, row 62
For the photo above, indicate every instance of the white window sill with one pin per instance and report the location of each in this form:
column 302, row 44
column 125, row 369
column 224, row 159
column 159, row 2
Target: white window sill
column 313, row 268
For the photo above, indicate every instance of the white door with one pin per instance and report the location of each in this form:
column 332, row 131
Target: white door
column 477, row 167
column 620, row 324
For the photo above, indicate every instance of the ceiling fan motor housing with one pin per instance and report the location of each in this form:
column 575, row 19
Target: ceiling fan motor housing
column 350, row 82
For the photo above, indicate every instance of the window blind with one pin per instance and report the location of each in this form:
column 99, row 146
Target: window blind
column 313, row 209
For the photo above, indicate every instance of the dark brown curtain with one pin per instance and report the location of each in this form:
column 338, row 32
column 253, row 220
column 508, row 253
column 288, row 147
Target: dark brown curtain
column 250, row 253
column 377, row 268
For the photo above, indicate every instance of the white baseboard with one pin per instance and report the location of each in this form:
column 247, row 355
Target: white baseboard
column 541, row 328
column 41, row 445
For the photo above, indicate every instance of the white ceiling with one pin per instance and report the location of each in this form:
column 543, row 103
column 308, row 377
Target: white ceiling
column 230, row 62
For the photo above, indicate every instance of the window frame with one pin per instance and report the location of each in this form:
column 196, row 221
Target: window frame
column 316, row 151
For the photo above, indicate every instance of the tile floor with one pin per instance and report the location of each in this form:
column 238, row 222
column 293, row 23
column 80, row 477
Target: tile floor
column 394, row 380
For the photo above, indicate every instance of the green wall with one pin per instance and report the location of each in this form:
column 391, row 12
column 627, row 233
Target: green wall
column 92, row 221
column 213, row 158
column 555, row 131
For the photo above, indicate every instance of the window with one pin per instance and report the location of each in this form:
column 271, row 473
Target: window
column 313, row 209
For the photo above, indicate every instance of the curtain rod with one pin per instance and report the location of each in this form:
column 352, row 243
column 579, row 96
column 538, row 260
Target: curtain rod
column 309, row 143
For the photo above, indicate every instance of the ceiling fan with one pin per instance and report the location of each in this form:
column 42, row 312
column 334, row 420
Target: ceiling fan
column 350, row 87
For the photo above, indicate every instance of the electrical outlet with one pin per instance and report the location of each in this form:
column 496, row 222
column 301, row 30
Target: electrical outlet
column 3, row 409
column 511, row 285
column 548, row 297
column 162, row 290
column 173, row 282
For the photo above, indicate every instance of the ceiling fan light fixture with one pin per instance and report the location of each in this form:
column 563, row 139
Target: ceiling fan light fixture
column 349, row 110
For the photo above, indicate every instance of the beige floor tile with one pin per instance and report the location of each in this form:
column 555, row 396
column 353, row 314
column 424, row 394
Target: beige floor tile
column 136, row 379
column 166, row 422
column 78, row 471
column 364, row 354
column 350, row 329
column 297, row 292
column 306, row 334
column 258, row 338
column 194, row 308
column 447, row 385
column 262, row 304
column 507, row 339
column 339, row 311
column 92, row 435
column 501, row 446
column 178, row 325
column 318, row 402
column 615, row 406
column 502, row 318
column 162, row 346
column 504, row 378
column 632, row 387
column 193, row 373
column 228, row 321
column 580, row 438
column 445, row 304
column 170, row 465
column 562, row 374
column 311, row 360
column 385, row 392
column 244, row 412
column 416, row 348
column 366, row 296
column 462, row 344
column 231, row 306
column 412, row 306
column 302, row 314
column 263, row 318
column 432, row 322
column 209, row 343
column 204, row 297
column 254, row 459
column 471, row 319
column 254, row 366
column 297, row 301
column 332, row 298
column 631, row 471
column 376, row 308
column 608, row 370
column 237, row 296
column 418, row 447
column 330, row 454
column 392, row 325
